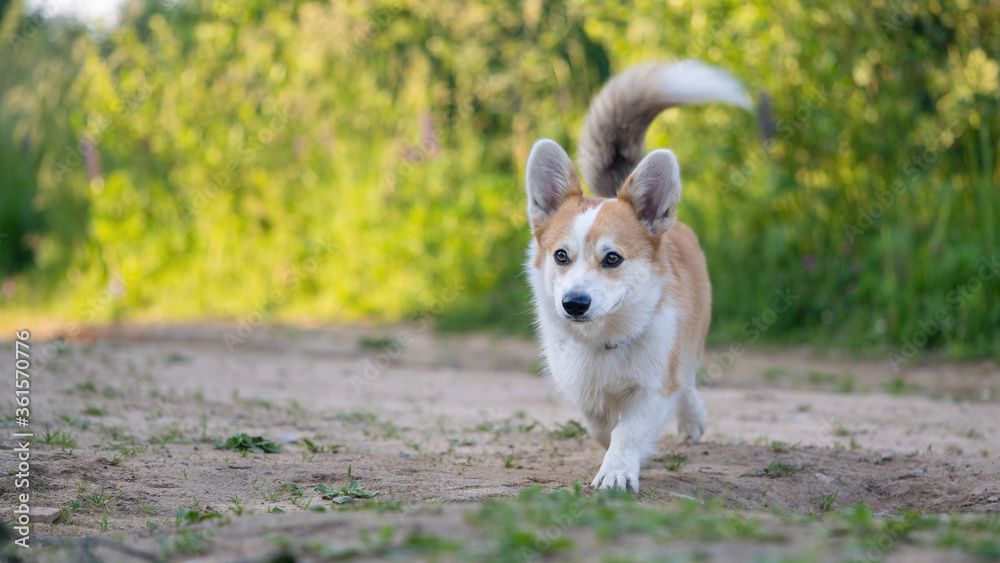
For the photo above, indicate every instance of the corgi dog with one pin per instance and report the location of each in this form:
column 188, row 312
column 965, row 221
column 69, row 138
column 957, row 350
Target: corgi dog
column 621, row 289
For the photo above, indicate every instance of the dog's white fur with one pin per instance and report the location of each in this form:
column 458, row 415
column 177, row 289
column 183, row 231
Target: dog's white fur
column 629, row 361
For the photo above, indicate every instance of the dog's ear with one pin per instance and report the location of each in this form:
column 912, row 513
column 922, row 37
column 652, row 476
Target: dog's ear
column 550, row 178
column 654, row 190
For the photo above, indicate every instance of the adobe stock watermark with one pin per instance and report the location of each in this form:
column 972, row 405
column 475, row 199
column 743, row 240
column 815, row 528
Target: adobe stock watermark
column 389, row 352
column 876, row 548
column 32, row 23
column 784, row 129
column 265, row 310
column 753, row 330
column 249, row 148
column 988, row 270
column 370, row 29
column 86, row 149
column 545, row 538
column 89, row 310
column 415, row 156
column 900, row 13
column 919, row 163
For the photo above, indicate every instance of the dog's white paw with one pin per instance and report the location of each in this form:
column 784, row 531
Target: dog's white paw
column 691, row 430
column 617, row 478
column 691, row 417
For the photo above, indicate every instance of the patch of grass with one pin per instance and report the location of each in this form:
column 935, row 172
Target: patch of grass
column 295, row 491
column 316, row 449
column 75, row 422
column 237, row 505
column 674, row 460
column 94, row 411
column 778, row 446
column 170, row 435
column 846, row 384
column 838, row 429
column 87, row 387
column 358, row 417
column 572, row 429
column 508, row 460
column 251, row 402
column 821, row 377
column 536, row 366
column 184, row 542
column 186, row 517
column 245, row 443
column 175, row 358
column 899, row 386
column 100, row 499
column 777, row 469
column 774, row 374
column 537, row 524
column 346, row 493
column 370, row 343
column 825, row 502
column 58, row 438
column 122, row 454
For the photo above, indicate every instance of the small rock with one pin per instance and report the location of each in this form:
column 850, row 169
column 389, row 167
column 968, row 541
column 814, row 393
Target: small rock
column 288, row 439
column 404, row 455
column 798, row 417
column 888, row 456
column 41, row 514
column 920, row 471
column 825, row 478
column 685, row 497
column 994, row 499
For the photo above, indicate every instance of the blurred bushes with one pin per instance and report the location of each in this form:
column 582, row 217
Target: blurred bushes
column 363, row 160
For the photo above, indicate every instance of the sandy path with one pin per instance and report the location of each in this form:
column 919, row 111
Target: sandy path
column 432, row 420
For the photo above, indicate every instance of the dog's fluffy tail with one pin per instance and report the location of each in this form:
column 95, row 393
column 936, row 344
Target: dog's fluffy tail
column 613, row 140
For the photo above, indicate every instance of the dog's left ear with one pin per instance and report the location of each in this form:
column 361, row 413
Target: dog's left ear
column 654, row 190
column 550, row 178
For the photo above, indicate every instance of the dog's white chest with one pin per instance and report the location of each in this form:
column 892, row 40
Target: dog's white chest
column 589, row 373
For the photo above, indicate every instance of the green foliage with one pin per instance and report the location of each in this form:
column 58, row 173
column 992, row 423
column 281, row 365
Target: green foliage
column 57, row 438
column 347, row 493
column 363, row 159
column 674, row 460
column 317, row 449
column 777, row 469
column 538, row 523
column 572, row 429
column 244, row 442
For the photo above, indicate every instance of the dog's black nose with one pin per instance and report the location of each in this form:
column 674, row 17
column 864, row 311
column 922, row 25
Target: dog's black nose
column 576, row 304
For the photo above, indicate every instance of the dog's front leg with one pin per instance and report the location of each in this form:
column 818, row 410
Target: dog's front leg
column 632, row 441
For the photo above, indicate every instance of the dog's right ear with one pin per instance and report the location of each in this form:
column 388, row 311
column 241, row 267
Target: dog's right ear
column 550, row 178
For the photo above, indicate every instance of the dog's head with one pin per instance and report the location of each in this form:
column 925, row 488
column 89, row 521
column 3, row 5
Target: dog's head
column 594, row 260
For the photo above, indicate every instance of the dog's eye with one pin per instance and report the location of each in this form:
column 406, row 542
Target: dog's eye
column 612, row 260
column 561, row 257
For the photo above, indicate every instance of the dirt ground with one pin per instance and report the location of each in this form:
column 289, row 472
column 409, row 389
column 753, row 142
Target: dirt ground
column 425, row 420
